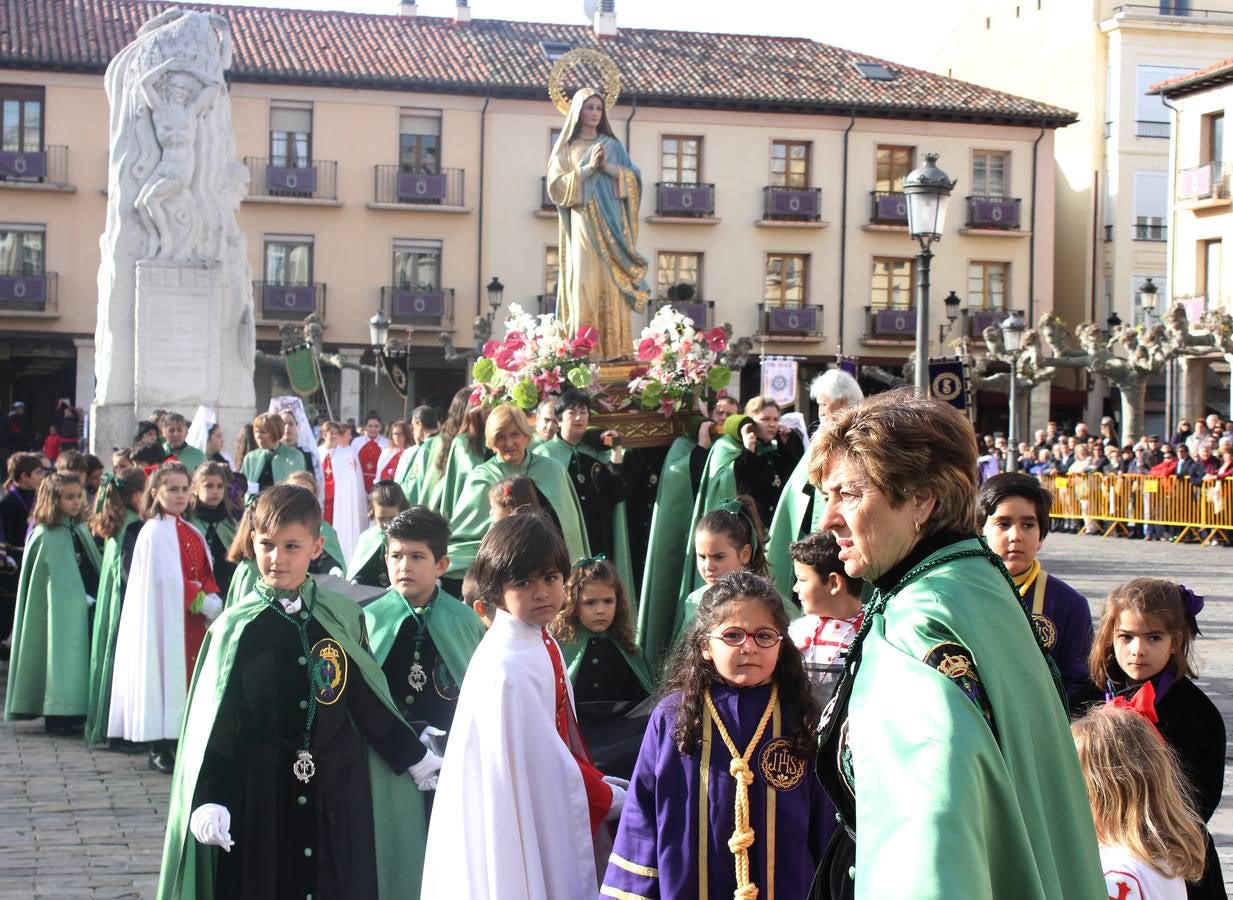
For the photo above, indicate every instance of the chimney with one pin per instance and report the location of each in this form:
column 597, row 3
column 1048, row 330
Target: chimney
column 605, row 19
column 407, row 9
column 462, row 13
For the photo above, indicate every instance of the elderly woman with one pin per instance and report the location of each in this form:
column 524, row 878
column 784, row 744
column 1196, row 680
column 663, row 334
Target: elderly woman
column 508, row 434
column 946, row 746
column 273, row 461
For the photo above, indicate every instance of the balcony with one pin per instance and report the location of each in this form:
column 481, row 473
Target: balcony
column 315, row 182
column 976, row 321
column 1148, row 232
column 790, row 321
column 288, row 302
column 545, row 304
column 684, row 200
column 1150, row 129
column 394, row 187
column 889, row 208
column 431, row 309
column 1206, row 182
column 29, row 294
column 994, row 213
column 890, row 324
column 45, row 169
column 1173, row 9
column 783, row 204
column 701, row 311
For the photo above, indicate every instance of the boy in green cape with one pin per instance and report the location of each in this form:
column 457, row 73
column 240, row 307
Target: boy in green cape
column 292, row 756
column 422, row 637
column 175, row 430
column 367, row 565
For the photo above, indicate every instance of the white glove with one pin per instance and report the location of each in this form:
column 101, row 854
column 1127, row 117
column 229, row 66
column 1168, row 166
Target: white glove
column 90, row 601
column 211, row 825
column 253, row 488
column 425, row 771
column 337, row 573
column 427, row 733
column 211, row 607
column 613, row 781
column 618, row 801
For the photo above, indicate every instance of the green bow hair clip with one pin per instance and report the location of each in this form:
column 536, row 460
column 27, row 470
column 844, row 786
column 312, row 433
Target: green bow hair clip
column 587, row 560
column 734, row 507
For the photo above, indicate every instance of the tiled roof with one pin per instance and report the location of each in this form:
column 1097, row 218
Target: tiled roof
column 1216, row 73
column 502, row 58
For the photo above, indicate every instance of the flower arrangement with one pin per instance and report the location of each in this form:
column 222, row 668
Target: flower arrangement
column 536, row 359
column 681, row 364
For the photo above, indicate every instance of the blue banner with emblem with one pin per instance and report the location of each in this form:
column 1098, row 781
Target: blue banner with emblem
column 948, row 381
column 848, row 364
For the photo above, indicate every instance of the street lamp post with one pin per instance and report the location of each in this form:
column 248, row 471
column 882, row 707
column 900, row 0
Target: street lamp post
column 1012, row 339
column 952, row 302
column 926, row 189
column 378, row 335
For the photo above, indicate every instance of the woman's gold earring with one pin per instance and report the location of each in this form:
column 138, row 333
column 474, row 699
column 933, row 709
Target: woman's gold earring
column 917, row 524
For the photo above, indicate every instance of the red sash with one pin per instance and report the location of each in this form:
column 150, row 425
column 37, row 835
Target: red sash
column 370, row 455
column 387, row 474
column 198, row 579
column 327, row 470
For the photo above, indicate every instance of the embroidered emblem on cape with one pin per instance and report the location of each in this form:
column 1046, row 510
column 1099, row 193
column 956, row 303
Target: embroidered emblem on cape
column 443, row 682
column 781, row 768
column 955, row 662
column 1046, row 629
column 328, row 671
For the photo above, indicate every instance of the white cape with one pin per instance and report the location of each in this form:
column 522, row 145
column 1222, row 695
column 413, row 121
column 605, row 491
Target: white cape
column 149, row 681
column 387, row 453
column 510, row 819
column 350, row 502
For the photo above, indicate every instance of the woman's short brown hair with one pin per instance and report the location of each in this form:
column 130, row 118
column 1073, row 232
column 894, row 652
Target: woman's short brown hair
column 906, row 445
column 271, row 424
column 502, row 417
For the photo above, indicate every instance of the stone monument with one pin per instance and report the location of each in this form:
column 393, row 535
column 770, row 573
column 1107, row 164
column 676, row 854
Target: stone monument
column 175, row 306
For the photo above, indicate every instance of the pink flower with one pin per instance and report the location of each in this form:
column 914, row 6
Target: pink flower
column 477, row 395
column 639, row 371
column 716, row 340
column 649, row 350
column 548, row 381
column 507, row 359
column 584, row 341
column 515, row 340
column 490, row 348
column 686, row 346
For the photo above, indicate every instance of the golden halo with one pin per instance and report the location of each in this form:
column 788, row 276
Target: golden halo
column 611, row 78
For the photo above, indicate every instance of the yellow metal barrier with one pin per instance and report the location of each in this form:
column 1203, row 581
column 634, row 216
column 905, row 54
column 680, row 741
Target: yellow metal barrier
column 1203, row 511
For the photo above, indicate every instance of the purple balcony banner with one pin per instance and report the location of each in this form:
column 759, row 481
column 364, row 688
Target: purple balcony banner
column 893, row 206
column 984, row 319
column 992, row 212
column 420, row 187
column 23, row 165
column 787, row 202
column 787, row 319
column 895, row 322
column 30, row 289
column 426, row 304
column 290, row 181
column 289, row 298
column 676, row 199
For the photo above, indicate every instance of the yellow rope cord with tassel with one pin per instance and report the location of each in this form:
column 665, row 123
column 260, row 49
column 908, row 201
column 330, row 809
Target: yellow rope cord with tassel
column 742, row 835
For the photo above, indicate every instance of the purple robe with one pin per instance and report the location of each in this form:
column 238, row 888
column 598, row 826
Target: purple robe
column 1064, row 620
column 656, row 852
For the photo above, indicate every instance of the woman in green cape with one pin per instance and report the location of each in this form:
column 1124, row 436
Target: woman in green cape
column 426, row 473
column 49, row 663
column 466, row 451
column 117, row 523
column 273, row 461
column 508, row 434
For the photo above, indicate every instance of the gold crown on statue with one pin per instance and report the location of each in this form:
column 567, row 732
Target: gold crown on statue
column 610, row 78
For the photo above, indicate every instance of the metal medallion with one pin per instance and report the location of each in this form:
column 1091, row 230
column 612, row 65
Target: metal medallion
column 304, row 768
column 417, row 677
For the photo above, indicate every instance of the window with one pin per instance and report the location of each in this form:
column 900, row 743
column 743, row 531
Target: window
column 291, row 137
column 554, row 135
column 875, row 71
column 987, row 285
column 785, row 279
column 893, row 163
column 1149, row 108
column 1210, row 272
column 1213, row 137
column 989, row 173
column 288, row 259
column 1151, row 205
column 417, row 265
column 552, row 271
column 1175, row 7
column 790, row 164
column 891, row 285
column 419, row 142
column 681, row 159
column 21, row 250
column 21, row 113
column 554, row 50
column 678, row 276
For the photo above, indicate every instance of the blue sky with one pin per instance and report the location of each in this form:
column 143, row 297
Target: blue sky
column 906, row 31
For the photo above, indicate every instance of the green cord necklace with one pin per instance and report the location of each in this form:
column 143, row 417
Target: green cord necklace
column 304, row 768
column 417, row 677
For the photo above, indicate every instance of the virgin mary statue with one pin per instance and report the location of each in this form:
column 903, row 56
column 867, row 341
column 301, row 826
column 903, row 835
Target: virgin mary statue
column 596, row 188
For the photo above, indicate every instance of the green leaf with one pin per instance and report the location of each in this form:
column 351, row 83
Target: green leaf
column 483, row 370
column 580, row 377
column 717, row 378
column 525, row 394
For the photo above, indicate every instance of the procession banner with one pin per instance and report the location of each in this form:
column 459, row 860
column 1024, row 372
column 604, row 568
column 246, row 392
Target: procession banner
column 948, row 382
column 779, row 379
column 301, row 365
column 848, row 364
column 396, row 371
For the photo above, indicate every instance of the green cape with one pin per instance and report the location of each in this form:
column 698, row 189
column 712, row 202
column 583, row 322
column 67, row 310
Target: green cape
column 455, row 630
column 333, row 549
column 688, row 610
column 242, row 581
column 965, row 812
column 788, row 524
column 371, row 542
column 458, row 466
column 473, row 516
column 287, row 460
column 398, row 806
column 189, row 456
column 573, row 656
column 225, row 528
column 51, row 606
column 718, row 484
column 421, row 476
column 562, row 452
column 665, row 556
column 106, row 624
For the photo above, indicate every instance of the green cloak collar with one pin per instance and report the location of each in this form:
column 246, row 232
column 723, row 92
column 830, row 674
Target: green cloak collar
column 573, row 656
column 455, row 630
column 284, row 459
column 370, row 543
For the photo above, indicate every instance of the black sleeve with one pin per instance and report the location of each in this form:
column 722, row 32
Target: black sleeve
column 754, row 475
column 697, row 465
column 610, row 479
column 1196, row 731
column 392, row 738
column 126, row 553
column 218, row 780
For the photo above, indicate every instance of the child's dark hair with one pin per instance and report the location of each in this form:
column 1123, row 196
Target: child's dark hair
column 242, row 544
column 149, row 455
column 689, row 674
column 565, row 626
column 150, row 507
column 144, row 428
column 73, row 461
column 419, row 523
column 739, row 520
column 115, row 499
column 46, row 511
column 514, row 493
column 286, row 504
column 516, row 548
column 820, row 551
column 572, row 399
column 388, row 493
column 206, row 470
column 93, row 464
column 20, row 465
column 1000, row 488
column 1161, row 600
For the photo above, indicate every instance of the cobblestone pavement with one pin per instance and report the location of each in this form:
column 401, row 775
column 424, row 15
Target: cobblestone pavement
column 77, row 823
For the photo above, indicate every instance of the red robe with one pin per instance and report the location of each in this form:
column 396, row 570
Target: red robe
column 369, row 455
column 327, row 469
column 391, row 466
column 198, row 579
